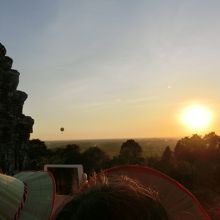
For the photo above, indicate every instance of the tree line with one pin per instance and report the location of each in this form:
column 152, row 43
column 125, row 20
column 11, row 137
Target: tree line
column 194, row 162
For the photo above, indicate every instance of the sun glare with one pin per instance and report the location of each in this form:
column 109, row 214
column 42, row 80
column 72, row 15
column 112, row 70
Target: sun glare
column 196, row 117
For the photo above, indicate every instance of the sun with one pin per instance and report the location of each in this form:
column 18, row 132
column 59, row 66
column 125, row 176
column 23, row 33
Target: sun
column 196, row 117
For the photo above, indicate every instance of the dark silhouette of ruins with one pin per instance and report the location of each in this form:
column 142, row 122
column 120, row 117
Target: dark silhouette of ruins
column 15, row 127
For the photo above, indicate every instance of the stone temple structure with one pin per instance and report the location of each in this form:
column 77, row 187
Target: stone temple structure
column 15, row 127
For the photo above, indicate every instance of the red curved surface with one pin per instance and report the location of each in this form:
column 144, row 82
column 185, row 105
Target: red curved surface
column 149, row 171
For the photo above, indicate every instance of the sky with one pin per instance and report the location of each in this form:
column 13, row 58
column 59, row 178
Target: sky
column 114, row 68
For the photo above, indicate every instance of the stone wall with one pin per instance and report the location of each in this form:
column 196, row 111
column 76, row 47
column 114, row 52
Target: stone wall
column 15, row 127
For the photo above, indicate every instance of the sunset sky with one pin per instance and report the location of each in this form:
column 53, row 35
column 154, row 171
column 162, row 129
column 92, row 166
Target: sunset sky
column 114, row 68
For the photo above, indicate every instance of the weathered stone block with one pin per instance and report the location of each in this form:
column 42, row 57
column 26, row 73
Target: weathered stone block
column 2, row 50
column 6, row 63
column 15, row 127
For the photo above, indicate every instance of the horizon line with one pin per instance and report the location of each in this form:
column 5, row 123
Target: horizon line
column 122, row 138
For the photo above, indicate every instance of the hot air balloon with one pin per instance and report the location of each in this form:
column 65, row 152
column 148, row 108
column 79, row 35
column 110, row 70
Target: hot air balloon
column 62, row 129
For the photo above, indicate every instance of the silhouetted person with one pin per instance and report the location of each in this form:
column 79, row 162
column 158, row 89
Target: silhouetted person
column 119, row 199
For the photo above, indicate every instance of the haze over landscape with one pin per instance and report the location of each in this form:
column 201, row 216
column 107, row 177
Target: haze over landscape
column 116, row 69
